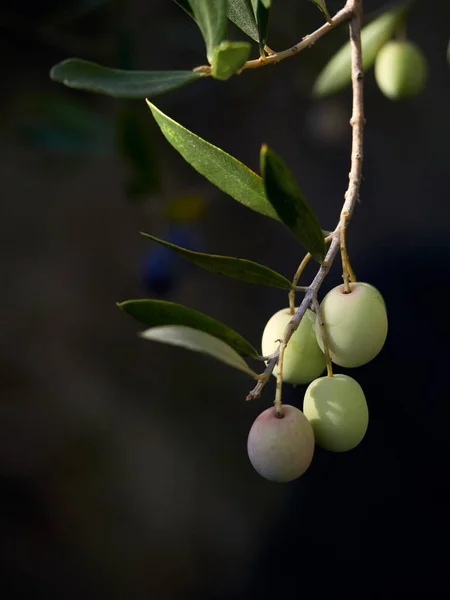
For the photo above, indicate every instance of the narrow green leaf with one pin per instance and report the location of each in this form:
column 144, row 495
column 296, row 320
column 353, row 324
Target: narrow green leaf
column 159, row 312
column 240, row 12
column 290, row 204
column 336, row 75
column 211, row 17
column 321, row 5
column 221, row 169
column 261, row 10
column 89, row 76
column 236, row 268
column 228, row 58
column 198, row 341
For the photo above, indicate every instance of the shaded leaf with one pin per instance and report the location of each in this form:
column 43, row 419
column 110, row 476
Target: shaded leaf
column 240, row 12
column 211, row 17
column 228, row 58
column 160, row 312
column 220, row 168
column 337, row 73
column 92, row 77
column 261, row 9
column 198, row 341
column 290, row 204
column 236, row 268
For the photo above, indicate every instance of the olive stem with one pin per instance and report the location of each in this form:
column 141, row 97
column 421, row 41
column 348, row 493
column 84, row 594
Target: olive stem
column 279, row 388
column 323, row 330
column 357, row 122
column 295, row 279
column 347, row 271
column 300, row 269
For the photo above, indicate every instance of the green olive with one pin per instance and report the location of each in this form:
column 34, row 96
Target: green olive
column 356, row 324
column 401, row 70
column 303, row 359
column 337, row 410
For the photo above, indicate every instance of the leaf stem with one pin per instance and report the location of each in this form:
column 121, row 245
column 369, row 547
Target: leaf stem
column 357, row 122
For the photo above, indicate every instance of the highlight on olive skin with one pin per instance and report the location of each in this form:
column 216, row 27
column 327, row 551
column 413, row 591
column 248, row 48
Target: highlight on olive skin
column 337, row 410
column 356, row 324
column 281, row 449
column 401, row 70
column 303, row 359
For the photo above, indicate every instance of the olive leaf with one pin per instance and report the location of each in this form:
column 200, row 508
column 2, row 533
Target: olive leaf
column 261, row 9
column 290, row 204
column 236, row 268
column 240, row 12
column 92, row 77
column 198, row 341
column 160, row 312
column 211, row 17
column 220, row 168
column 228, row 58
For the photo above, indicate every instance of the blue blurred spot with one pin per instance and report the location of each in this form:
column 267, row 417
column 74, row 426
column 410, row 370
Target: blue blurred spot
column 163, row 268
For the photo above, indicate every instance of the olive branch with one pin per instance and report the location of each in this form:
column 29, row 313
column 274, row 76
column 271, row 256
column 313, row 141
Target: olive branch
column 274, row 194
column 353, row 12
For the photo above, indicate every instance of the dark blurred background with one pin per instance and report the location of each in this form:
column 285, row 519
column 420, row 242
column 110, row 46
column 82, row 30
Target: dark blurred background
column 123, row 464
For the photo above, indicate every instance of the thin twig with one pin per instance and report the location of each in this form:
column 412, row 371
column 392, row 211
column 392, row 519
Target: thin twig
column 309, row 40
column 351, row 196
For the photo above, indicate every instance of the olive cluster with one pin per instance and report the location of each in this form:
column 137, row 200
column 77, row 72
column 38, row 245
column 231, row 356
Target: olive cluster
column 335, row 414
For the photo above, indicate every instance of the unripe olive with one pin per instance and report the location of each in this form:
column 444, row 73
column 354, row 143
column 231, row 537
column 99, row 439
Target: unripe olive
column 303, row 359
column 337, row 410
column 401, row 70
column 356, row 324
column 281, row 449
